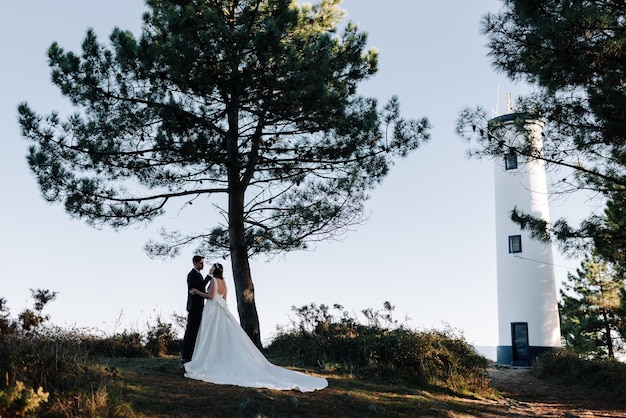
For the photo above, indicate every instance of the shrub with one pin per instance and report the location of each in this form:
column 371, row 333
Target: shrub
column 18, row 400
column 161, row 339
column 564, row 367
column 57, row 362
column 124, row 344
column 381, row 349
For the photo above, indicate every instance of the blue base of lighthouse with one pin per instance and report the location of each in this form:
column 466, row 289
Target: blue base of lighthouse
column 507, row 357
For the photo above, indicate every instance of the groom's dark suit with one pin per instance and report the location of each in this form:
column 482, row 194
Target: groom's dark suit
column 195, row 304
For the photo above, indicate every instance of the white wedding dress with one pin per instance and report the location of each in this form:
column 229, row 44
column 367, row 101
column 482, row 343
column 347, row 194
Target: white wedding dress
column 224, row 354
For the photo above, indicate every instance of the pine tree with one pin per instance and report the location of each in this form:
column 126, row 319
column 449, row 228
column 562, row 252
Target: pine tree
column 252, row 100
column 592, row 315
column 571, row 52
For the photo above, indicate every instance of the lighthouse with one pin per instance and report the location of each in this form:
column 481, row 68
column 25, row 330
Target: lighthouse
column 528, row 318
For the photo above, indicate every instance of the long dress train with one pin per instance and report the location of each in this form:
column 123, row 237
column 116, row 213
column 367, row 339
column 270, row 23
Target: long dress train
column 224, row 354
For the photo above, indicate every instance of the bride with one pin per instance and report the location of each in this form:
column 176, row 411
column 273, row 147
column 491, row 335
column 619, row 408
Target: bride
column 224, row 354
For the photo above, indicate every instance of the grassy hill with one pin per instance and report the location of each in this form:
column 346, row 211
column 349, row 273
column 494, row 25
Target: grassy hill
column 157, row 388
column 374, row 369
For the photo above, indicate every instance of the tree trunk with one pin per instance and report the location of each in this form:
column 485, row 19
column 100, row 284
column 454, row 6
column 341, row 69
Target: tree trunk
column 607, row 331
column 244, row 288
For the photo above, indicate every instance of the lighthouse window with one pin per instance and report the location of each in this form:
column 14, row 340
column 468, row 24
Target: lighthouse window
column 515, row 243
column 510, row 160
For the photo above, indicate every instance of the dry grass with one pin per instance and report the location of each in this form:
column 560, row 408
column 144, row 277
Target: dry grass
column 157, row 388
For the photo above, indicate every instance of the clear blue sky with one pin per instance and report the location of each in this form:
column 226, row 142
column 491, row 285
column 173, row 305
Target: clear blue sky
column 429, row 245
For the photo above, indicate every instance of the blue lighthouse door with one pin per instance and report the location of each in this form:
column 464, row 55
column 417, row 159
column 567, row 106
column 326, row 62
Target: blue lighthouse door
column 519, row 334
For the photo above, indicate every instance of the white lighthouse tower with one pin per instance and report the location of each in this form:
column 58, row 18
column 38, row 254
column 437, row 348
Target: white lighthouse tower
column 528, row 318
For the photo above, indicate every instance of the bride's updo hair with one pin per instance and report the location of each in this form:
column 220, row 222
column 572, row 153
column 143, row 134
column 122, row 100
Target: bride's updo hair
column 218, row 271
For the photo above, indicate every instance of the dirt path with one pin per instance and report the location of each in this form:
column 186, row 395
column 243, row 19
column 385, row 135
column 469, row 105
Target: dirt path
column 527, row 396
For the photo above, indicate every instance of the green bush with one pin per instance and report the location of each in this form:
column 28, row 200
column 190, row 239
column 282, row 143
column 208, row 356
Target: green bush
column 608, row 376
column 18, row 400
column 56, row 361
column 124, row 344
column 161, row 339
column 51, row 359
column 381, row 349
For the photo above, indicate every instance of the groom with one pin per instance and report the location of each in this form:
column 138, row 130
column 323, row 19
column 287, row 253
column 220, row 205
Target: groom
column 195, row 304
